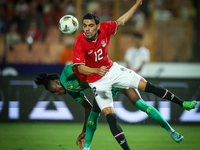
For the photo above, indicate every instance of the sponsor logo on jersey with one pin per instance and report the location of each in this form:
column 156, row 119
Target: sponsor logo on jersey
column 103, row 43
column 69, row 87
column 78, row 58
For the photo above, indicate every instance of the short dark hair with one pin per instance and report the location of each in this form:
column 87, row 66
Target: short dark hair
column 138, row 35
column 90, row 15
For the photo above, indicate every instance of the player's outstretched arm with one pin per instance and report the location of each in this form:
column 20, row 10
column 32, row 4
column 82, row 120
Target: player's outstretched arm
column 125, row 17
column 87, row 106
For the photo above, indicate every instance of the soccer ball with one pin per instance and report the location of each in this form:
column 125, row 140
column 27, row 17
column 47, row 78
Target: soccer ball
column 68, row 24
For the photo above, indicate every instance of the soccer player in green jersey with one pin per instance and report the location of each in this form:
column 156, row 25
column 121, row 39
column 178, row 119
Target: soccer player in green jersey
column 69, row 82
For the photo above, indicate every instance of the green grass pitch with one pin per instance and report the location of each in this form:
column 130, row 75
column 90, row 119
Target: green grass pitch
column 62, row 136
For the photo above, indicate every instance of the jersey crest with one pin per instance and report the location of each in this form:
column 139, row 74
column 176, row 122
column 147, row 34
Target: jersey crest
column 103, row 43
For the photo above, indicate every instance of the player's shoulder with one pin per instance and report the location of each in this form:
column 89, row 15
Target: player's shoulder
column 67, row 71
column 80, row 39
column 68, row 67
column 107, row 23
column 108, row 27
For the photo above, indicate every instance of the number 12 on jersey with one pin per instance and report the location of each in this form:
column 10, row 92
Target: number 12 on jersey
column 98, row 55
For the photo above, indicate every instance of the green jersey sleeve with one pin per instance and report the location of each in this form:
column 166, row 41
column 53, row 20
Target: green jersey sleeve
column 72, row 84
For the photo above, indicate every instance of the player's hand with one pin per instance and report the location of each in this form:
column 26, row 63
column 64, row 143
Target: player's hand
column 80, row 140
column 102, row 70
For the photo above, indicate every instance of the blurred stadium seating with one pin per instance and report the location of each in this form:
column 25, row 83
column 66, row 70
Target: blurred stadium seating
column 168, row 28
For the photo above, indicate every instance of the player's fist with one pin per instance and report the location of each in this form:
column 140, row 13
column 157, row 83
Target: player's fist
column 102, row 70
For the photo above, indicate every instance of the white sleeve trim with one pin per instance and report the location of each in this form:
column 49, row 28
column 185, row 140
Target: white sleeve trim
column 116, row 27
column 76, row 64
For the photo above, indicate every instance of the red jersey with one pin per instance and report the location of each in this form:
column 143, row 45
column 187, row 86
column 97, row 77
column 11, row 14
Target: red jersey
column 94, row 54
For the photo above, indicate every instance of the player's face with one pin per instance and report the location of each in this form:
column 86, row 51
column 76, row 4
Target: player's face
column 90, row 29
column 56, row 88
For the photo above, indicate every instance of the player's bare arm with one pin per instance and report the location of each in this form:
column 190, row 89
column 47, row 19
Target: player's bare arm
column 87, row 106
column 125, row 17
column 88, row 71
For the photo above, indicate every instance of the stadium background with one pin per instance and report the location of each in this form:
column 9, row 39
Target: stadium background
column 171, row 31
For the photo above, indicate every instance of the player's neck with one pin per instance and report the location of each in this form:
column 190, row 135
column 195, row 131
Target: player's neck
column 93, row 39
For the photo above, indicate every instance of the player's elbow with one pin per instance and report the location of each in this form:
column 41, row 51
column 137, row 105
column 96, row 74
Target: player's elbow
column 83, row 69
column 120, row 22
column 80, row 69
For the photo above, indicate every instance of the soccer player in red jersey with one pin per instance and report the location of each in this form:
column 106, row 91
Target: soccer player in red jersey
column 90, row 56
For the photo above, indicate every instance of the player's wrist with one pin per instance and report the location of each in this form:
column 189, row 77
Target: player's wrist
column 96, row 70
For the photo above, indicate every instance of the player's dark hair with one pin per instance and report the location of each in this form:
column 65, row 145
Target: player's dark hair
column 138, row 35
column 90, row 15
column 45, row 79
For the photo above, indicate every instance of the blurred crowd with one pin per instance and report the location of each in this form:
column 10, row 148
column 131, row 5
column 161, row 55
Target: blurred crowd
column 29, row 22
column 23, row 18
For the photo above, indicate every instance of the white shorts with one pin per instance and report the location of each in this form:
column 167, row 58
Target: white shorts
column 118, row 76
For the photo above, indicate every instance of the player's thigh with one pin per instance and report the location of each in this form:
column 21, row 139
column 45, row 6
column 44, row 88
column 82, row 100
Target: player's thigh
column 132, row 94
column 102, row 94
column 104, row 99
column 124, row 78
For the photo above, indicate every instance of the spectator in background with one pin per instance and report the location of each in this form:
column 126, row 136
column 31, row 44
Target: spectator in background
column 162, row 14
column 12, row 37
column 94, row 7
column 34, row 14
column 21, row 10
column 3, row 21
column 107, row 12
column 33, row 31
column 139, row 19
column 68, row 7
column 66, row 56
column 52, row 13
column 21, row 7
column 187, row 10
column 10, row 11
column 137, row 56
